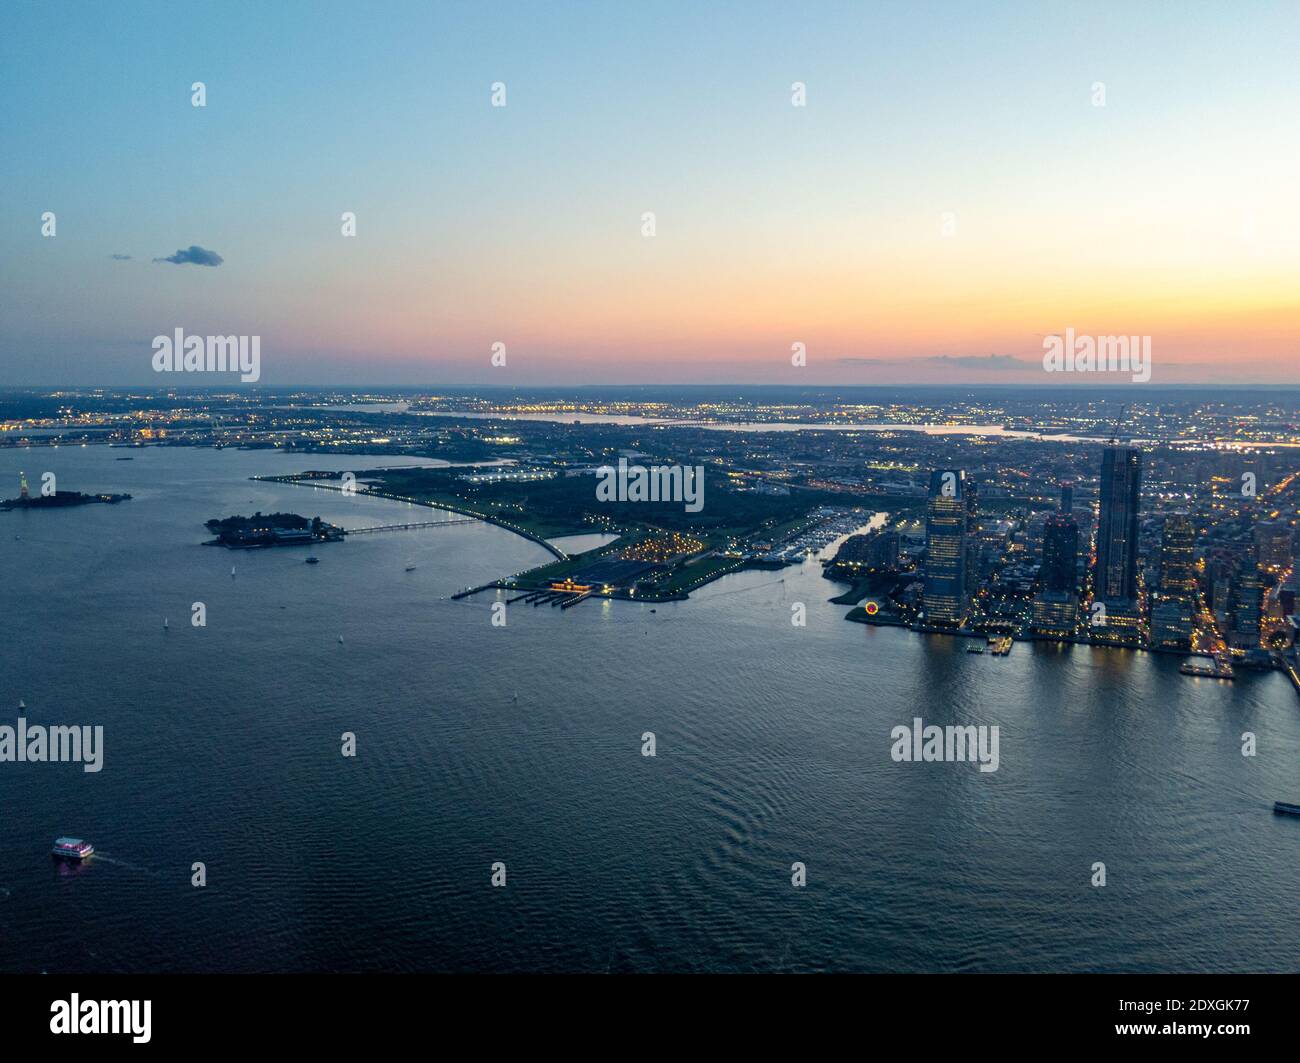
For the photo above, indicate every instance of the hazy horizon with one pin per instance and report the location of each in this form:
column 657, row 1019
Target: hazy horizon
column 915, row 195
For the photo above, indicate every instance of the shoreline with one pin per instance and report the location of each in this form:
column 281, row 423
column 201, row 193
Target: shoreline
column 559, row 554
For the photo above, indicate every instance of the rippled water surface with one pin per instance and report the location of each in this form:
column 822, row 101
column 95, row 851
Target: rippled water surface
column 522, row 744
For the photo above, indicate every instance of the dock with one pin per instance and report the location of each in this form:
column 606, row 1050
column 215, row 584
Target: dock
column 473, row 590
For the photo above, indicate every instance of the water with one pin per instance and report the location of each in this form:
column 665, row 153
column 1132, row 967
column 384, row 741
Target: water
column 223, row 746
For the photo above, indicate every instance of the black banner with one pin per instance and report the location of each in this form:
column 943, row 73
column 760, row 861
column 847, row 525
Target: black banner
column 352, row 1012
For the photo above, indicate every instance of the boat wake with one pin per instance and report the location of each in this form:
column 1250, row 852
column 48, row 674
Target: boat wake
column 101, row 857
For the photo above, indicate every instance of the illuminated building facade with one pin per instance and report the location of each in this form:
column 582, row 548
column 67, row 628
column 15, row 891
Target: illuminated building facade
column 1177, row 557
column 945, row 596
column 1116, row 578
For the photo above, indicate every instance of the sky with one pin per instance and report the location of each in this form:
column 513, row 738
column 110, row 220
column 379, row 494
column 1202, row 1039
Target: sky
column 963, row 181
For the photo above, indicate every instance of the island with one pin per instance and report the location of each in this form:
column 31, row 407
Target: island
column 59, row 500
column 271, row 529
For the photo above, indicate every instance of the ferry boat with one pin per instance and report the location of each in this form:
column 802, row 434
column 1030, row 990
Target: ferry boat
column 72, row 849
column 1215, row 668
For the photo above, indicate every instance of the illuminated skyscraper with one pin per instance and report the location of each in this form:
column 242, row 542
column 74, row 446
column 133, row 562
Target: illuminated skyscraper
column 946, row 591
column 1245, row 602
column 1117, row 529
column 1177, row 557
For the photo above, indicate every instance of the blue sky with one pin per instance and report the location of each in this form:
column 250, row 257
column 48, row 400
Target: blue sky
column 521, row 224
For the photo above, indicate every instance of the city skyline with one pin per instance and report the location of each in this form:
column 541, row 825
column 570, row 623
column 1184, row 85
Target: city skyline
column 955, row 187
column 603, row 488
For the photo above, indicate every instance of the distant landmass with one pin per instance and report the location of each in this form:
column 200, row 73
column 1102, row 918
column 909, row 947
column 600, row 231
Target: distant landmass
column 59, row 500
column 271, row 529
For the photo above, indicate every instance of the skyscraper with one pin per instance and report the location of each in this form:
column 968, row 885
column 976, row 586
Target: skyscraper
column 1245, row 602
column 945, row 595
column 1060, row 553
column 1117, row 528
column 1177, row 557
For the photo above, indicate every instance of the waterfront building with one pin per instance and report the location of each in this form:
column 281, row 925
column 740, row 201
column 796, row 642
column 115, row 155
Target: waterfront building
column 882, row 551
column 1056, row 613
column 1245, row 604
column 878, row 551
column 1171, row 624
column 1122, row 624
column 945, row 595
column 1116, row 578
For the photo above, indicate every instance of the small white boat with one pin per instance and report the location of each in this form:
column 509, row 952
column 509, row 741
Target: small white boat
column 340, row 638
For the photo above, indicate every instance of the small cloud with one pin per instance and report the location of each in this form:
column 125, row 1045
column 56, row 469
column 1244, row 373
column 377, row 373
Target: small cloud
column 194, row 255
column 995, row 362
column 983, row 361
column 120, row 258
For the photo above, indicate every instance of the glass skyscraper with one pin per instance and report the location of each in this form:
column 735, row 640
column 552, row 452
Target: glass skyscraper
column 1177, row 557
column 945, row 596
column 1060, row 552
column 1117, row 528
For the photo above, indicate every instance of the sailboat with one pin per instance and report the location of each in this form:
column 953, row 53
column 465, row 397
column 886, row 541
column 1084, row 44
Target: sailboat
column 21, row 704
column 340, row 639
column 164, row 623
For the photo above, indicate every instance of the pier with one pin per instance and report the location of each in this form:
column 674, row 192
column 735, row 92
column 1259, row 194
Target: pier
column 413, row 524
column 300, row 480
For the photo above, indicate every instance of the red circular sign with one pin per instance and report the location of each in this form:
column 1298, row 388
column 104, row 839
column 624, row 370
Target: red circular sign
column 872, row 608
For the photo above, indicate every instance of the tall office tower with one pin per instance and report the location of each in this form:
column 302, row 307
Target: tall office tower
column 945, row 592
column 1060, row 553
column 972, row 536
column 1117, row 527
column 1245, row 604
column 1067, row 497
column 1177, row 557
